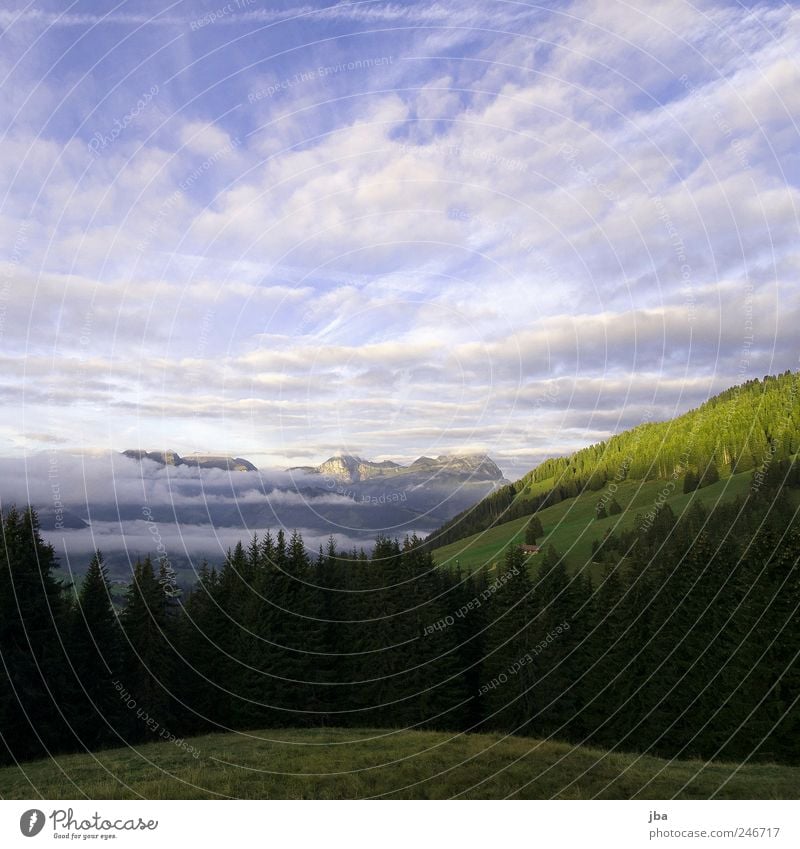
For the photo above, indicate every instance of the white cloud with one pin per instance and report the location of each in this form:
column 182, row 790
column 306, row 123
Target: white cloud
column 346, row 260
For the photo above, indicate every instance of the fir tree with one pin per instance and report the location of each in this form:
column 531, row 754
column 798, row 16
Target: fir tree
column 533, row 530
column 507, row 688
column 95, row 652
column 149, row 654
column 33, row 624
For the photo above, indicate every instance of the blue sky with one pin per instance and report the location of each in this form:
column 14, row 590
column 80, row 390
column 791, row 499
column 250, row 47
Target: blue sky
column 287, row 230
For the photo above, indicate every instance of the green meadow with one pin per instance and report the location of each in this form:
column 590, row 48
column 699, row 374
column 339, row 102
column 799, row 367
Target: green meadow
column 571, row 525
column 355, row 764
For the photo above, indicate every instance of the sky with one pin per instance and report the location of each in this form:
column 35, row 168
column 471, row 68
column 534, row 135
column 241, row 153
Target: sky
column 284, row 231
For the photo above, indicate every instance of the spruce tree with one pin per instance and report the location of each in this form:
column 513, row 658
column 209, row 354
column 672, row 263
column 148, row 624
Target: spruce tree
column 149, row 655
column 533, row 530
column 509, row 670
column 95, row 652
column 690, row 481
column 34, row 682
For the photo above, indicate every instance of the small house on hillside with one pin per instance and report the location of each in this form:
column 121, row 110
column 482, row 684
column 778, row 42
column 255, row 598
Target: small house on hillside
column 529, row 549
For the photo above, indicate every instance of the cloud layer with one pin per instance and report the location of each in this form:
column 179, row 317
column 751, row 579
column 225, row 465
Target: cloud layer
column 128, row 508
column 391, row 229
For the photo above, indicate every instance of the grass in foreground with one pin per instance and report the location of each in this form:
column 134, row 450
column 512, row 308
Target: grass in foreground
column 350, row 764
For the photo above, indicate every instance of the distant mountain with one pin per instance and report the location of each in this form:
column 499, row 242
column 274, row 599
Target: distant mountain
column 347, row 468
column 202, row 461
column 474, row 467
column 198, row 511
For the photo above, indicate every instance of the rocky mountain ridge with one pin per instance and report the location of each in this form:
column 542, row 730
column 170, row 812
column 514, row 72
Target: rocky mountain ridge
column 349, row 468
column 201, row 461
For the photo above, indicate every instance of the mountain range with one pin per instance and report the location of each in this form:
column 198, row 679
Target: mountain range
column 467, row 468
column 344, row 493
column 195, row 505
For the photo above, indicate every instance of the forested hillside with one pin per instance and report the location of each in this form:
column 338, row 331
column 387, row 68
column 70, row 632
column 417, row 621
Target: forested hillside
column 688, row 645
column 736, row 431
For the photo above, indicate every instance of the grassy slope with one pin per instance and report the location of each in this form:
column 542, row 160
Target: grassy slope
column 571, row 525
column 346, row 764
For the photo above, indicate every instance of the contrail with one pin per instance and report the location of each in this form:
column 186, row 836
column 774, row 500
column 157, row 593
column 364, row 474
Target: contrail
column 363, row 11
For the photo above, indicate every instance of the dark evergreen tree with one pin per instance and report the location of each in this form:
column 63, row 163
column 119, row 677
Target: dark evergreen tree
column 149, row 654
column 533, row 530
column 95, row 652
column 33, row 623
column 507, row 688
column 205, row 667
column 710, row 474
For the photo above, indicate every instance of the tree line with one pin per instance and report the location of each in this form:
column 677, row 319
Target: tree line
column 686, row 645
